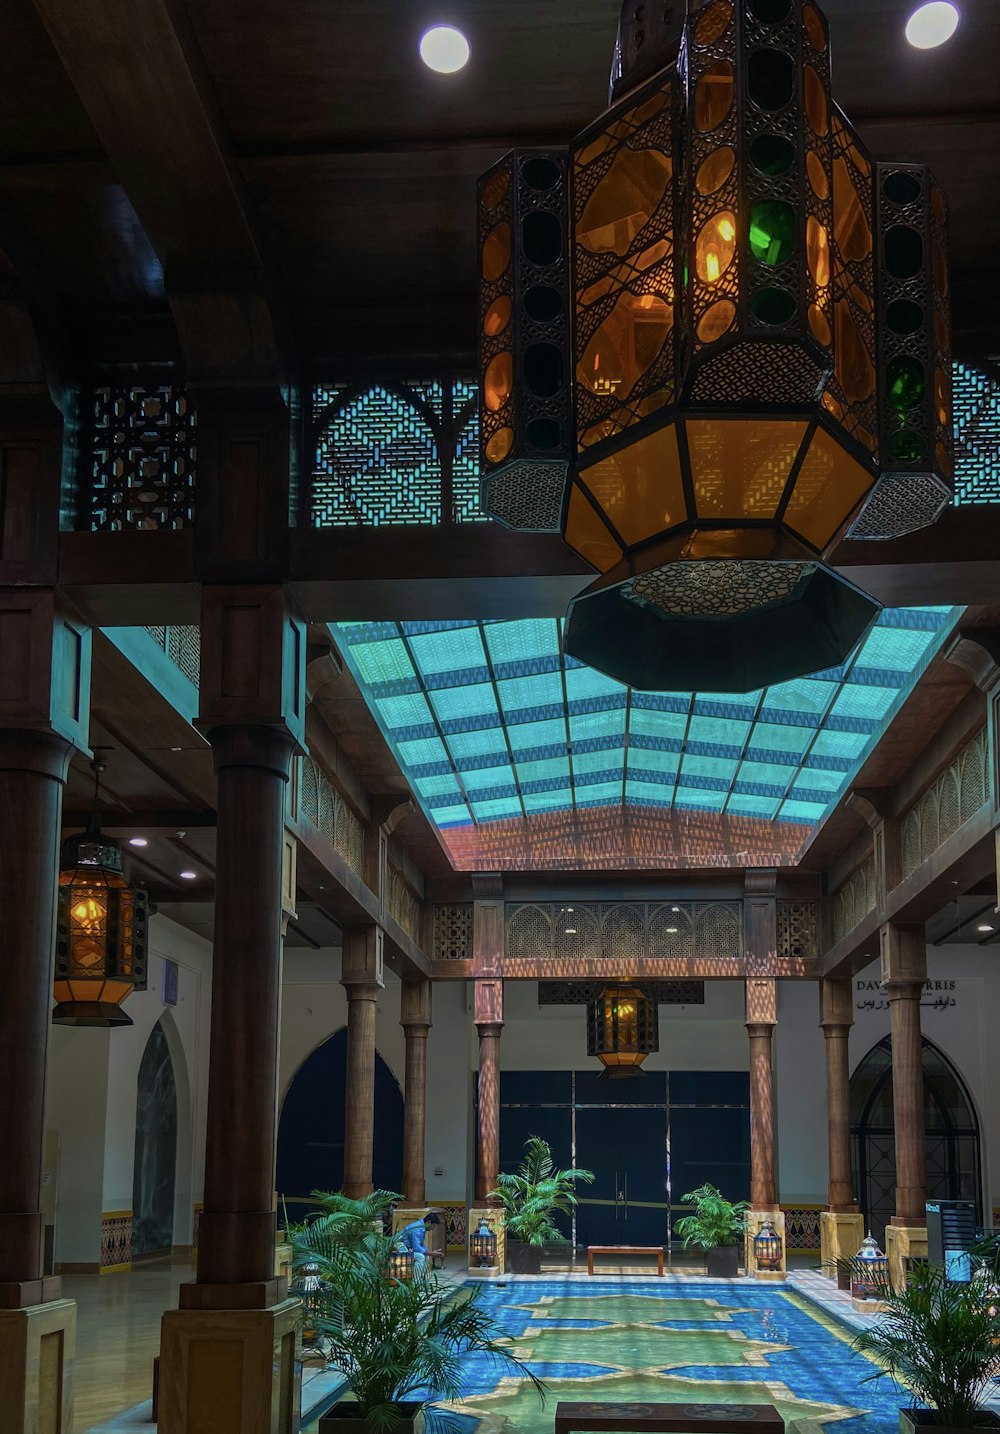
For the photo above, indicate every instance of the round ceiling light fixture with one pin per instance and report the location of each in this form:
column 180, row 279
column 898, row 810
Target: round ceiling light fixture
column 932, row 24
column 984, row 927
column 138, row 841
column 188, row 875
column 444, row 49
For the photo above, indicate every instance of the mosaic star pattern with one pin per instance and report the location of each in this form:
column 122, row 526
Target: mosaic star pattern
column 712, row 1344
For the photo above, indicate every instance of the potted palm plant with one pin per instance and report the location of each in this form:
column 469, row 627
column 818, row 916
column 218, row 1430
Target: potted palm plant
column 529, row 1198
column 337, row 1226
column 402, row 1342
column 939, row 1341
column 716, row 1225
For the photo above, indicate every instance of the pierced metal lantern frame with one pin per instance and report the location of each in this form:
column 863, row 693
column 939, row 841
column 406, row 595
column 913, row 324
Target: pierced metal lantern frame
column 401, row 1263
column 737, row 357
column 869, row 1271
column 483, row 1246
column 526, row 437
column 622, row 1030
column 101, row 933
column 767, row 1247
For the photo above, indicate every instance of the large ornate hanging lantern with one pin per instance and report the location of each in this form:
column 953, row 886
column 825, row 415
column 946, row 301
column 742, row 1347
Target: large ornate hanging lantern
column 622, row 1030
column 100, row 930
column 759, row 327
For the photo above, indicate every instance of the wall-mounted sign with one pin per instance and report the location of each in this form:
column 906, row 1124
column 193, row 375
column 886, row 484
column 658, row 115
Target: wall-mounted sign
column 936, row 996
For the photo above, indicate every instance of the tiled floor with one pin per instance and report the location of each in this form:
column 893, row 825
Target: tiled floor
column 788, row 1343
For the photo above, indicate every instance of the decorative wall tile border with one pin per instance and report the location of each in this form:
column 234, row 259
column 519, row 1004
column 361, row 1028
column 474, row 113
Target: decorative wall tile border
column 802, row 1226
column 116, row 1240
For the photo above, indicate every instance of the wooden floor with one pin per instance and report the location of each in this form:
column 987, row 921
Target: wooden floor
column 118, row 1336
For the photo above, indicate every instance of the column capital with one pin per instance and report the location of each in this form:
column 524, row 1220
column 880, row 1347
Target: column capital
column 903, row 956
column 415, row 1005
column 361, row 962
column 976, row 650
column 761, row 1001
column 249, row 744
column 836, row 1003
column 252, row 660
column 487, row 999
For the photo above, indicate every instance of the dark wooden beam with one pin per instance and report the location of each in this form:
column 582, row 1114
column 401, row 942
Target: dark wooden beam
column 140, row 77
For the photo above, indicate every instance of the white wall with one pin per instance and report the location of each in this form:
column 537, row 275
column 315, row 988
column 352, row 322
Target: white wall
column 965, row 1032
column 91, row 1097
column 800, row 1095
column 708, row 1037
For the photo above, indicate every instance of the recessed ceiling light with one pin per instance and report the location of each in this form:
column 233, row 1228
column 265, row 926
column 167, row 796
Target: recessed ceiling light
column 177, row 749
column 671, row 930
column 930, row 25
column 188, row 875
column 675, row 908
column 569, row 931
column 138, row 841
column 984, row 927
column 445, row 49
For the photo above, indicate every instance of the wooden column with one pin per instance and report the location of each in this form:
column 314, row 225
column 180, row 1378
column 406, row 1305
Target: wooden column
column 760, row 954
column 362, row 979
column 252, row 701
column 236, row 1235
column 488, row 1138
column 836, row 1019
column 44, row 714
column 487, row 956
column 763, row 1189
column 415, row 1018
column 904, row 970
column 33, row 767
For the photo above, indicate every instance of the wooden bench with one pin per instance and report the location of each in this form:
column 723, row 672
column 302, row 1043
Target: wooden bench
column 575, row 1417
column 623, row 1250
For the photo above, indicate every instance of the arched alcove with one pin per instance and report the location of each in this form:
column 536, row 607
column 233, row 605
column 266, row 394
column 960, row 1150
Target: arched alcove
column 311, row 1129
column 155, row 1166
column 951, row 1134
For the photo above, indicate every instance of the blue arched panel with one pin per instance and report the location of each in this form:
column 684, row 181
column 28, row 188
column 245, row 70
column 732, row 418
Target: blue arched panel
column 311, row 1130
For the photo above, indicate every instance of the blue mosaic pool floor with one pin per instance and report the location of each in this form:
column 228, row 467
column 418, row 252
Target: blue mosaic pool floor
column 652, row 1340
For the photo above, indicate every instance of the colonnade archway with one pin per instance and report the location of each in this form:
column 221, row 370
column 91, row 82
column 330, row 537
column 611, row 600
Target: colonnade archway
column 951, row 1134
column 311, row 1128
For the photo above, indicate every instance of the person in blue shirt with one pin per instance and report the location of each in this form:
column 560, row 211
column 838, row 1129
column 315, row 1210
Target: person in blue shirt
column 414, row 1237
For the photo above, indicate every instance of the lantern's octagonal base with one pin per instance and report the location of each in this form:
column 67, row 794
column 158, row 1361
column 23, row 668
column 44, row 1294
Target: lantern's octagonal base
column 729, row 625
column 90, row 1013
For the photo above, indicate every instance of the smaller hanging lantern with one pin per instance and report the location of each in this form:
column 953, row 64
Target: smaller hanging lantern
column 484, row 1246
column 622, row 1030
column 767, row 1247
column 100, row 929
column 314, row 1292
column 401, row 1263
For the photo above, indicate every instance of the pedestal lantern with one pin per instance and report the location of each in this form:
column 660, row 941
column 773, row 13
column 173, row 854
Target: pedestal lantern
column 100, row 930
column 401, row 1263
column 869, row 1276
column 483, row 1246
column 622, row 1030
column 768, row 1251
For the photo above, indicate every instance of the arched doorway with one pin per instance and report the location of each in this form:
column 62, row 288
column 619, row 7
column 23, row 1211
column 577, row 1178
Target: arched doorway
column 951, row 1134
column 311, row 1129
column 155, row 1168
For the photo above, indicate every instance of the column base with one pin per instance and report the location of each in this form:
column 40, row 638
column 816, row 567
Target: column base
column 754, row 1220
column 902, row 1243
column 37, row 1349
column 840, row 1236
column 233, row 1370
column 495, row 1220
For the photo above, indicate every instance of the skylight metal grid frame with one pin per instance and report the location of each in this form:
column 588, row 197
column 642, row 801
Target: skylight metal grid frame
column 511, row 727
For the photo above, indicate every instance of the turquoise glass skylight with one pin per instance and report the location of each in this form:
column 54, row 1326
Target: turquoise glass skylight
column 491, row 721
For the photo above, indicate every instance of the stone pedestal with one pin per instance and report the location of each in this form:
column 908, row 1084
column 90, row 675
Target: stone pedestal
column 37, row 1348
column 840, row 1236
column 903, row 1242
column 237, row 1371
column 754, row 1220
column 283, row 1260
column 495, row 1220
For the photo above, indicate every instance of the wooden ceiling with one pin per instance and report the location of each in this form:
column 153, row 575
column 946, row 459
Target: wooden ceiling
column 354, row 167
